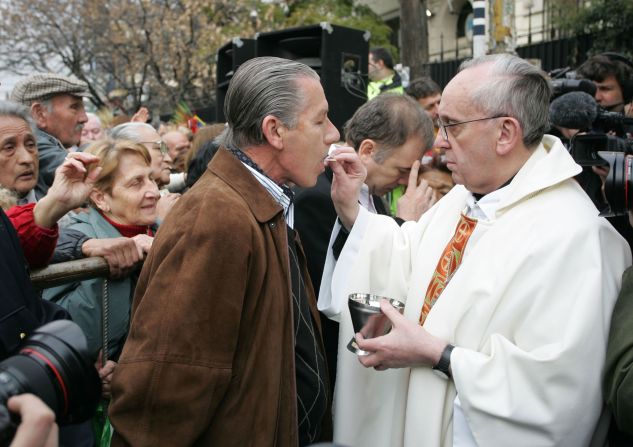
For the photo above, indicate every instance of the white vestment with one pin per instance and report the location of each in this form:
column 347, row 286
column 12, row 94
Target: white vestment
column 528, row 311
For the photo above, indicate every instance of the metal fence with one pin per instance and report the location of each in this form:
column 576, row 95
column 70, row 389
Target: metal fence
column 570, row 51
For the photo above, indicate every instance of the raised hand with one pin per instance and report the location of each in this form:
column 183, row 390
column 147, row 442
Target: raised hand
column 417, row 199
column 349, row 175
column 74, row 179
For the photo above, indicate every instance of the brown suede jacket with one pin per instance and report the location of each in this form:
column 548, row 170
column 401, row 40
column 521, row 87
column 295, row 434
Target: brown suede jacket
column 209, row 360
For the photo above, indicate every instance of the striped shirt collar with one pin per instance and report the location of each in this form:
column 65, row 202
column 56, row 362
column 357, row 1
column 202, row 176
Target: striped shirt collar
column 282, row 195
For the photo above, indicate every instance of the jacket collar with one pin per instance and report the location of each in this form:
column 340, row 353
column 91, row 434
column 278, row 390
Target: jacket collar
column 40, row 135
column 92, row 217
column 549, row 165
column 228, row 168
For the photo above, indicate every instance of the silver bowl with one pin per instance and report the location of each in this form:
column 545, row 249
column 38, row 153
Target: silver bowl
column 368, row 319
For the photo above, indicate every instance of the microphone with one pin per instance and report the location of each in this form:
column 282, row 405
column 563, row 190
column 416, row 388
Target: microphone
column 573, row 110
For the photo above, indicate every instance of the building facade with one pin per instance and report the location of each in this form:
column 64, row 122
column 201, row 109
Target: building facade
column 450, row 23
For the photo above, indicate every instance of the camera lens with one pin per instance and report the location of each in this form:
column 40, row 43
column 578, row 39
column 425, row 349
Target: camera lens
column 617, row 186
column 53, row 364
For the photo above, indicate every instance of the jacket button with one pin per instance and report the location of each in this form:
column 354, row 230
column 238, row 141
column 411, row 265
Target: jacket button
column 272, row 224
column 22, row 335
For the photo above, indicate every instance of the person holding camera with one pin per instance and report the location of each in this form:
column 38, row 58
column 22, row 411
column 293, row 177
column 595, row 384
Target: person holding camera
column 612, row 73
column 509, row 283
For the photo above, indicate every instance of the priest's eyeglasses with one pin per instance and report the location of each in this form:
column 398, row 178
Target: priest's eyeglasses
column 442, row 126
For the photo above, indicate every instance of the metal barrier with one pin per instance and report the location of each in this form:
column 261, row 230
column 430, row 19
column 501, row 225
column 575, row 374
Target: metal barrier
column 71, row 271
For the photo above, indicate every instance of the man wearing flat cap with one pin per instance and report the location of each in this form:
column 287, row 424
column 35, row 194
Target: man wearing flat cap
column 56, row 104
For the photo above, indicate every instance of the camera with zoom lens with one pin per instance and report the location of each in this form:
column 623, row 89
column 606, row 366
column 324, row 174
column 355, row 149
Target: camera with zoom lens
column 53, row 364
column 615, row 153
column 564, row 80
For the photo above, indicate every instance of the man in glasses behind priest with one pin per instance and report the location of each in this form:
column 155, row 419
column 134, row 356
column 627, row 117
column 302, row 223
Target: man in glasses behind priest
column 509, row 283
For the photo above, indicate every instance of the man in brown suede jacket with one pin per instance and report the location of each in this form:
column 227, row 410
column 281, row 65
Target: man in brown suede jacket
column 224, row 347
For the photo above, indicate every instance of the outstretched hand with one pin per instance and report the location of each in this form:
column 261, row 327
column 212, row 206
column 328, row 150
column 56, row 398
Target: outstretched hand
column 417, row 199
column 74, row 179
column 349, row 175
column 408, row 344
column 141, row 116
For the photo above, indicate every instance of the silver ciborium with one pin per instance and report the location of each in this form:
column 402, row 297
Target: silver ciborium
column 367, row 318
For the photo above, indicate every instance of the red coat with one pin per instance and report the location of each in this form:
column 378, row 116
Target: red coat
column 209, row 360
column 37, row 242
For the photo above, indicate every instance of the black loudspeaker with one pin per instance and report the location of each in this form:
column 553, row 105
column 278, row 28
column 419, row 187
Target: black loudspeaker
column 627, row 87
column 338, row 54
column 229, row 58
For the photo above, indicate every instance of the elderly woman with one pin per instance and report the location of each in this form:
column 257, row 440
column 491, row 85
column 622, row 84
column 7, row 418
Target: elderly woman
column 123, row 203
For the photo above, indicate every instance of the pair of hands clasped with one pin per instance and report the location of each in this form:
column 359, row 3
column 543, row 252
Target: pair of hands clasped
column 407, row 344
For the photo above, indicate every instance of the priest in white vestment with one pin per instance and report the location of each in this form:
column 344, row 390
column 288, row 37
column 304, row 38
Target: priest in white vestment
column 512, row 351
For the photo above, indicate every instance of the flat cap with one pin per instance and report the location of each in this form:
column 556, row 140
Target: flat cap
column 42, row 86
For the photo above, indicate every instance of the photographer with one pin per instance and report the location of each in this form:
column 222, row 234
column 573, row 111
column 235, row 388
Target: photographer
column 613, row 75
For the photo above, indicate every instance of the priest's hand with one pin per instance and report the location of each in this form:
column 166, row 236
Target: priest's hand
column 417, row 199
column 407, row 345
column 349, row 175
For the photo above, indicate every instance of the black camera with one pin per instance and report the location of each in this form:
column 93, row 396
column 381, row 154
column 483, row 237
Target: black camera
column 618, row 188
column 615, row 153
column 563, row 80
column 53, row 364
column 585, row 148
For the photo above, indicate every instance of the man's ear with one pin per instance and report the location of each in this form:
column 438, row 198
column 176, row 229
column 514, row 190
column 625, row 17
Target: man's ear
column 366, row 150
column 510, row 136
column 39, row 112
column 100, row 200
column 274, row 131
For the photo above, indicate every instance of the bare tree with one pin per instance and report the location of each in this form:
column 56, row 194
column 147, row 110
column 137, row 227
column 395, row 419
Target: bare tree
column 158, row 52
column 151, row 52
column 414, row 34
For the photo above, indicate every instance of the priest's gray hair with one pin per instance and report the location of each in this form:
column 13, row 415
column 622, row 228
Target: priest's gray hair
column 260, row 87
column 129, row 131
column 10, row 109
column 517, row 89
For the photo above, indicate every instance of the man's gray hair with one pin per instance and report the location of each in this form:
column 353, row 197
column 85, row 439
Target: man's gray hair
column 129, row 131
column 260, row 87
column 516, row 88
column 10, row 109
column 390, row 120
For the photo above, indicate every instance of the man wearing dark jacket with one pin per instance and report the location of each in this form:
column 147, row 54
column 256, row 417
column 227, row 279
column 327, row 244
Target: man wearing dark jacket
column 56, row 105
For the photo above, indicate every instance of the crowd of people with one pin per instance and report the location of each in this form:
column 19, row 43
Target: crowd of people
column 232, row 252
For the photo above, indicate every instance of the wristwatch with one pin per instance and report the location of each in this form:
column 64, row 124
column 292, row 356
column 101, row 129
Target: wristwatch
column 442, row 368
